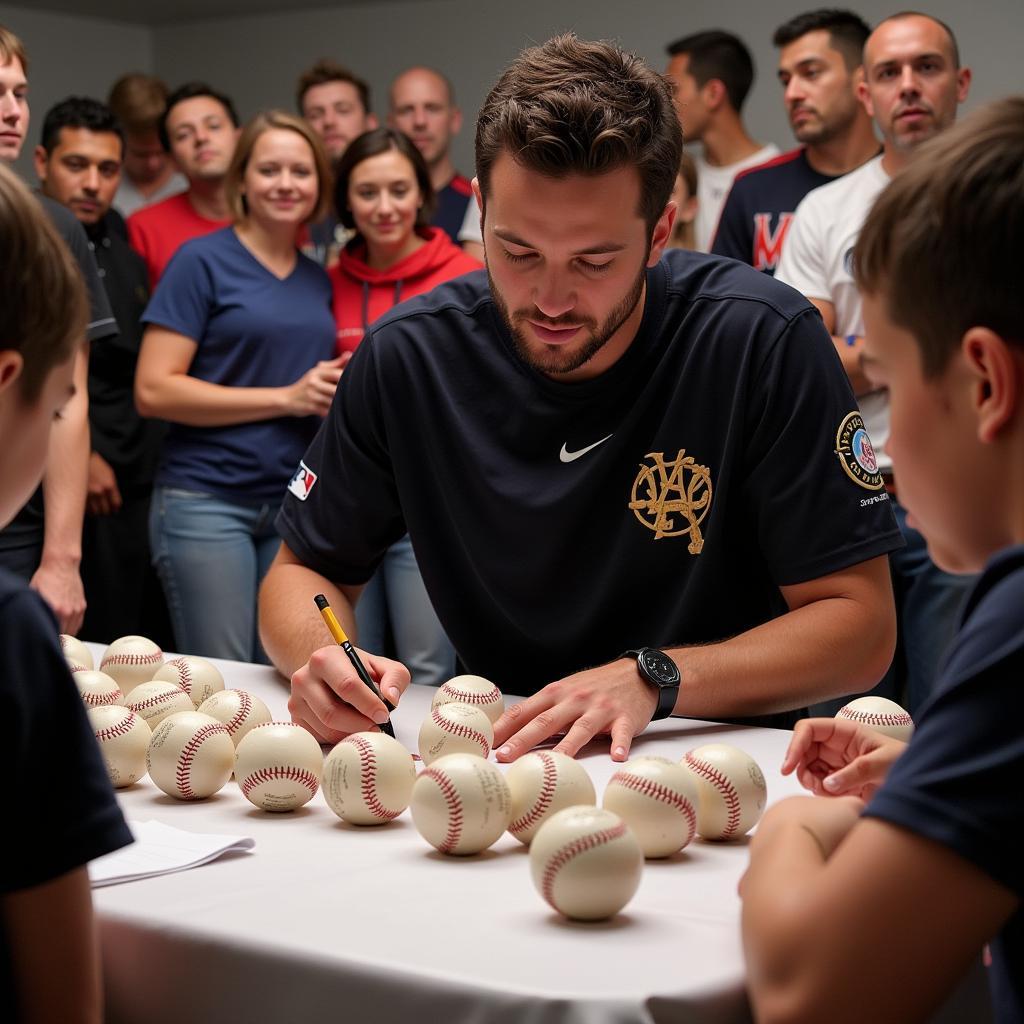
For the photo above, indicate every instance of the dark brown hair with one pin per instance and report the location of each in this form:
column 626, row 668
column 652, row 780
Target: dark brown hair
column 721, row 55
column 576, row 107
column 940, row 245
column 138, row 102
column 326, row 70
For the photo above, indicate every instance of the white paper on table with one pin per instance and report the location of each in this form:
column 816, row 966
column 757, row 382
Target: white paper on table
column 160, row 849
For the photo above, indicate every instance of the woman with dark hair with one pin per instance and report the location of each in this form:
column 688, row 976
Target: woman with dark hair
column 383, row 193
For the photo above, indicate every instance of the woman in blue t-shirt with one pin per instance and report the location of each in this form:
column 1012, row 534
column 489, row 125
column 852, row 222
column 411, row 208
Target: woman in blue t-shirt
column 237, row 356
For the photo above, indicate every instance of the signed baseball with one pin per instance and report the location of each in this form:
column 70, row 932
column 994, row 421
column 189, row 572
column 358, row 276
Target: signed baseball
column 97, row 689
column 131, row 660
column 155, row 700
column 586, row 863
column 123, row 738
column 238, row 710
column 196, row 676
column 461, row 804
column 455, row 729
column 474, row 690
column 191, row 756
column 368, row 778
column 278, row 766
column 731, row 791
column 882, row 715
column 541, row 783
column 657, row 798
column 75, row 651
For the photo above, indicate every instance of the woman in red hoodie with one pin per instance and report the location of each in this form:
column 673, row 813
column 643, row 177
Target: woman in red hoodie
column 383, row 193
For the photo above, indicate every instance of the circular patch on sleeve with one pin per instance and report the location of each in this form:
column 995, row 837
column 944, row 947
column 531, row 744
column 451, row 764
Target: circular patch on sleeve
column 856, row 454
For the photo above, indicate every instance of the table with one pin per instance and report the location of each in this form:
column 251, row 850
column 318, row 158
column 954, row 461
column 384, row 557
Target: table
column 326, row 921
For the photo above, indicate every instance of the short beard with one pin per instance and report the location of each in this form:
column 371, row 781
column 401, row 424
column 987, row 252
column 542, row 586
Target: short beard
column 554, row 359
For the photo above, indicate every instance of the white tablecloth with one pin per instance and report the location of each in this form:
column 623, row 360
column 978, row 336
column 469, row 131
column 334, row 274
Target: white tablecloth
column 329, row 922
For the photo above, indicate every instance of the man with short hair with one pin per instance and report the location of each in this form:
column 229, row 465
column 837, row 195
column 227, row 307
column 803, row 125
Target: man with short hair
column 557, row 526
column 44, row 545
column 819, row 68
column 713, row 72
column 148, row 173
column 199, row 129
column 913, row 84
column 78, row 164
column 423, row 106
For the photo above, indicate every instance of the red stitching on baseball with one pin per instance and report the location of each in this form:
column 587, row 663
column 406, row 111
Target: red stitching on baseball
column 245, row 707
column 725, row 788
column 877, row 717
column 183, row 769
column 121, row 728
column 131, row 659
column 99, row 700
column 459, row 730
column 657, row 791
column 368, row 777
column 451, row 798
column 572, row 850
column 544, row 798
column 465, row 697
column 181, row 667
column 149, row 702
column 292, row 774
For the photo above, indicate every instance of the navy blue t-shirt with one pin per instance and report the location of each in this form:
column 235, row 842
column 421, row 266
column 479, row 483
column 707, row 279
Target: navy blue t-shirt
column 451, row 202
column 49, row 749
column 252, row 330
column 759, row 209
column 557, row 525
column 960, row 782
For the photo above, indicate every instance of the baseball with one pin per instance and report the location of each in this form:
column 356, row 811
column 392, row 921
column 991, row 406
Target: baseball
column 455, row 729
column 196, row 676
column 191, row 756
column 75, row 651
column 368, row 778
column 461, row 804
column 657, row 798
column 97, row 689
column 238, row 710
column 131, row 660
column 475, row 690
column 278, row 766
column 123, row 738
column 541, row 783
column 586, row 863
column 882, row 715
column 155, row 700
column 731, row 791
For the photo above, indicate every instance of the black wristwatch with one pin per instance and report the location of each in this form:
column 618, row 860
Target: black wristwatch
column 658, row 669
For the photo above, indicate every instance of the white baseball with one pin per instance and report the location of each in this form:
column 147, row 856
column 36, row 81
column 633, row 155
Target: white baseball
column 455, row 729
column 191, row 756
column 731, row 791
column 123, row 738
column 96, row 688
column 239, row 710
column 586, row 863
column 882, row 715
column 368, row 778
column 131, row 660
column 475, row 690
column 541, row 783
column 461, row 804
column 75, row 651
column 196, row 676
column 657, row 798
column 155, row 700
column 278, row 766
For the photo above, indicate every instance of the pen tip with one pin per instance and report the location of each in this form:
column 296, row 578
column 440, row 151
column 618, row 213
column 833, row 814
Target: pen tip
column 321, row 601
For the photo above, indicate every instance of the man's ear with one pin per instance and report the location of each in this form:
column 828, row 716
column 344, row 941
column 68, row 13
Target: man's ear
column 996, row 377
column 11, row 365
column 714, row 94
column 41, row 160
column 662, row 233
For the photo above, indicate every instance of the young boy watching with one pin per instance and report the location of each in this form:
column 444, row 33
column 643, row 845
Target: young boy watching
column 58, row 799
column 855, row 912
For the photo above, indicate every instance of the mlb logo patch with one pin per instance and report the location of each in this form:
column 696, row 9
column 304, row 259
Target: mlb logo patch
column 302, row 483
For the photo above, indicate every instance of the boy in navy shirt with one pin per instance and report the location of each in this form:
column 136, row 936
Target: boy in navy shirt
column 873, row 913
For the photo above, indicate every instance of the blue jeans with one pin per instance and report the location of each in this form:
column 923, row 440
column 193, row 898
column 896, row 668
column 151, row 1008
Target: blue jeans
column 211, row 555
column 396, row 597
column 928, row 603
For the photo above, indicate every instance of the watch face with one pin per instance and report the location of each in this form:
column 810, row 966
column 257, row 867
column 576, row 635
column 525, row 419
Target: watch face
column 660, row 667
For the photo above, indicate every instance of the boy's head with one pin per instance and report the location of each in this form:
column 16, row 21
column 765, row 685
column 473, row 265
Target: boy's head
column 42, row 321
column 937, row 264
column 13, row 95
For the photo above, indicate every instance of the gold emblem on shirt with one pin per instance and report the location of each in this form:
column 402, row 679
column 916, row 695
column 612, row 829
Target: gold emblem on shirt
column 672, row 497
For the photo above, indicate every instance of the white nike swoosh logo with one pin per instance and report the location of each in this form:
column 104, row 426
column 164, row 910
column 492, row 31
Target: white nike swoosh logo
column 567, row 456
